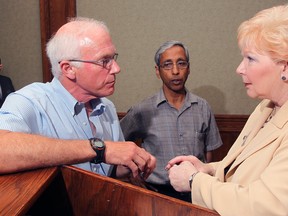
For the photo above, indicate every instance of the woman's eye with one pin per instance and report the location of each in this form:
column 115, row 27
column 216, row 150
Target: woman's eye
column 250, row 58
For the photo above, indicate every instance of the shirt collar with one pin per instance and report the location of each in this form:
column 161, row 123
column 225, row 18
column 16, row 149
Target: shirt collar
column 72, row 104
column 189, row 99
column 98, row 107
column 160, row 98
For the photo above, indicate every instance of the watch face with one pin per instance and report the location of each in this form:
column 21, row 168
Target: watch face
column 99, row 147
column 99, row 144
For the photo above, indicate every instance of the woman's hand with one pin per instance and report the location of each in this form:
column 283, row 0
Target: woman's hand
column 199, row 165
column 179, row 176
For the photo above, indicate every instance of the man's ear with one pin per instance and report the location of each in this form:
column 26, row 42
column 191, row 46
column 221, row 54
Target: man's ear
column 67, row 69
column 157, row 71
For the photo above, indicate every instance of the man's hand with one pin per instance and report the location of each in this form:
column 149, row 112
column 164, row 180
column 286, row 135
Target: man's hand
column 128, row 154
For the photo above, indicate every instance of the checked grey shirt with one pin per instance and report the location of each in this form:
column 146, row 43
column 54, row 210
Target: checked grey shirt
column 167, row 132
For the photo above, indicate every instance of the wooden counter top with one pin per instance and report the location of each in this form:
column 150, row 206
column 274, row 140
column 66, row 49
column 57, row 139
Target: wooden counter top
column 19, row 191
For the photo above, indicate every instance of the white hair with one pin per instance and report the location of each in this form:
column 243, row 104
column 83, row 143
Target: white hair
column 67, row 42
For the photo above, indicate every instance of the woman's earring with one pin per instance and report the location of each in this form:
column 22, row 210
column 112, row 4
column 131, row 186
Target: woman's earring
column 283, row 77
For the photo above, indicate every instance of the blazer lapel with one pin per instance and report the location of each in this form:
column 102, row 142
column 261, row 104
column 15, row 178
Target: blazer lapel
column 253, row 143
column 258, row 139
column 268, row 134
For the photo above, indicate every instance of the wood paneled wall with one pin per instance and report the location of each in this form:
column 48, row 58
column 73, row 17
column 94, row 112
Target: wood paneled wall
column 229, row 127
column 53, row 14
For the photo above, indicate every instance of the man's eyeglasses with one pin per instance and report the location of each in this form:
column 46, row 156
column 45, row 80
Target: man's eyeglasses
column 169, row 65
column 105, row 62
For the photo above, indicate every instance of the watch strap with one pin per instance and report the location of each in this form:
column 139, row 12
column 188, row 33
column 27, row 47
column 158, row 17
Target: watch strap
column 191, row 178
column 99, row 147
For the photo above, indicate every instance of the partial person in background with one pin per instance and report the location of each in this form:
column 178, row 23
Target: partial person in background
column 6, row 86
column 253, row 178
column 69, row 120
column 174, row 121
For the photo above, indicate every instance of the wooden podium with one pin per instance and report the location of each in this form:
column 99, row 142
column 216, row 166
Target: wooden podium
column 68, row 190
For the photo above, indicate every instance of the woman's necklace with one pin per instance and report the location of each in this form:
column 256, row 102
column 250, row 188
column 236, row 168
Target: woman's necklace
column 272, row 114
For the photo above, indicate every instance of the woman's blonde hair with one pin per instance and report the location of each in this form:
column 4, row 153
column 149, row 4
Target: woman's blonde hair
column 267, row 32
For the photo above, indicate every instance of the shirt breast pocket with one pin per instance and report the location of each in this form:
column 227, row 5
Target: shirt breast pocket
column 199, row 145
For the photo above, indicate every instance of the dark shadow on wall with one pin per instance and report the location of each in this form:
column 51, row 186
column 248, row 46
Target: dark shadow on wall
column 214, row 96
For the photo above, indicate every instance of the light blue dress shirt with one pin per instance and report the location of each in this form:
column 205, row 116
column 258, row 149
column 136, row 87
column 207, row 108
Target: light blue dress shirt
column 48, row 109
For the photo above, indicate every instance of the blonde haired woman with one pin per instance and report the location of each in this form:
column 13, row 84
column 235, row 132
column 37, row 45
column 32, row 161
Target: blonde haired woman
column 253, row 178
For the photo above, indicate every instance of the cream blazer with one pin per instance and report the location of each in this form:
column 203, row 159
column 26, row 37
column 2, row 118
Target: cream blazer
column 256, row 179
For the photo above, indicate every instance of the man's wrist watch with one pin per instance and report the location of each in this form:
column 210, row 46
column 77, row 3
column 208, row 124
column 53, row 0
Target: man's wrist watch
column 191, row 179
column 99, row 147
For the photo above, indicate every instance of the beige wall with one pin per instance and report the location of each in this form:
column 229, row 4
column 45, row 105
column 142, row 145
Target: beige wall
column 138, row 27
column 207, row 27
column 20, row 41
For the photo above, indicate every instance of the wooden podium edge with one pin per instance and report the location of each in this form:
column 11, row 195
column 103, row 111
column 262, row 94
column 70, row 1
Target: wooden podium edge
column 19, row 191
column 70, row 172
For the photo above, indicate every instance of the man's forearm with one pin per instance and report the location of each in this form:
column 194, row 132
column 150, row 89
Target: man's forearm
column 20, row 151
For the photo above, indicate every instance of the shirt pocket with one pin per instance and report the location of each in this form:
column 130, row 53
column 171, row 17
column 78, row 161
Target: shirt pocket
column 199, row 149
